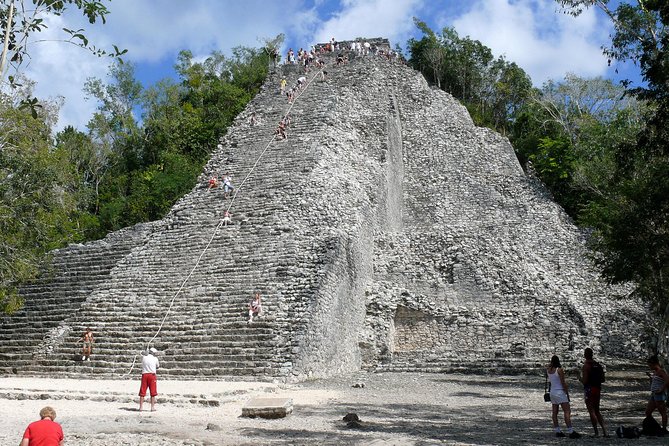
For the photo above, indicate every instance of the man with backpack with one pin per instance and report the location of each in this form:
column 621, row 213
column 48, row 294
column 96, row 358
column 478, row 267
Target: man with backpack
column 592, row 377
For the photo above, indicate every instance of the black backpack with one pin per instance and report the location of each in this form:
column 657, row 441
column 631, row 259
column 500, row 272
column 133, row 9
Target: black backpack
column 627, row 432
column 651, row 428
column 596, row 376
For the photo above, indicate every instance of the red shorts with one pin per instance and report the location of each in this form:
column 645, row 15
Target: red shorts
column 150, row 381
column 592, row 394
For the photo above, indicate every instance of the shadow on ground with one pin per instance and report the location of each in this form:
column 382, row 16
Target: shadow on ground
column 505, row 412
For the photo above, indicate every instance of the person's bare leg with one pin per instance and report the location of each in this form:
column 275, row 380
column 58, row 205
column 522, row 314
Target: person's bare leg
column 662, row 408
column 566, row 410
column 153, row 404
column 650, row 408
column 600, row 418
column 593, row 415
column 555, row 415
column 141, row 403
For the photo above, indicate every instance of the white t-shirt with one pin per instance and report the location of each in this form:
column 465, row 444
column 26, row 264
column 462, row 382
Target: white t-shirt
column 150, row 364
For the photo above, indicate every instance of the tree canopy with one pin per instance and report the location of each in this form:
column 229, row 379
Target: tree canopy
column 493, row 89
column 631, row 216
column 142, row 150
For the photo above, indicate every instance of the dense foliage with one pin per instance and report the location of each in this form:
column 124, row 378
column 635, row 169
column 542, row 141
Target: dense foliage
column 136, row 170
column 602, row 149
column 491, row 88
column 631, row 216
column 79, row 185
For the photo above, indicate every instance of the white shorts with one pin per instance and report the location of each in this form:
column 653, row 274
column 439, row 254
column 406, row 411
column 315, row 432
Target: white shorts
column 559, row 397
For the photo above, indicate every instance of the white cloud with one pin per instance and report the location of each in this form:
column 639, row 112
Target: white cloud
column 61, row 69
column 371, row 18
column 151, row 30
column 544, row 42
column 529, row 32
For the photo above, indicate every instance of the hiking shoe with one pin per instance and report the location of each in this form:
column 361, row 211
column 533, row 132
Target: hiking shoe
column 574, row 435
column 560, row 434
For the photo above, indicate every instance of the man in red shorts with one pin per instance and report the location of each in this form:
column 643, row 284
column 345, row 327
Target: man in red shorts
column 150, row 366
column 44, row 432
column 592, row 376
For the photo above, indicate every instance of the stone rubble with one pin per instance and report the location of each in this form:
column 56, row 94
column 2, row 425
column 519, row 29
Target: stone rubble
column 386, row 232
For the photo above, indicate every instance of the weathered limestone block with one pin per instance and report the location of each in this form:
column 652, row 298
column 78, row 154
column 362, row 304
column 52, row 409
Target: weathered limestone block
column 387, row 230
column 268, row 408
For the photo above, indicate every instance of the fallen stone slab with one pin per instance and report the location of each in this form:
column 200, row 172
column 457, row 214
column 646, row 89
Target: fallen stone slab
column 268, row 408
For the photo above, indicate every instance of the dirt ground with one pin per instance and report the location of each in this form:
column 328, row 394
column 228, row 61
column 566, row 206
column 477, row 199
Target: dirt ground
column 395, row 409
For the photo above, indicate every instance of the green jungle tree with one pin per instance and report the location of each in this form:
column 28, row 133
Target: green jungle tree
column 631, row 218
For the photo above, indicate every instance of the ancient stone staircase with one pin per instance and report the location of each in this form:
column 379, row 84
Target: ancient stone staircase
column 72, row 275
column 387, row 231
column 208, row 321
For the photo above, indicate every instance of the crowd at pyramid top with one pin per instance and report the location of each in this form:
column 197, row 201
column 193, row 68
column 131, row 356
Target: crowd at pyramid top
column 360, row 47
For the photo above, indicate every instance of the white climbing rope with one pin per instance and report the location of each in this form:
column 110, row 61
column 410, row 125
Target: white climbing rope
column 221, row 222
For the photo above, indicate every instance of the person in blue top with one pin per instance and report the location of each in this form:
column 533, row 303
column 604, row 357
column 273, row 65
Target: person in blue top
column 659, row 385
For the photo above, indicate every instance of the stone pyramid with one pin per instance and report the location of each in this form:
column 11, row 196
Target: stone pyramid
column 386, row 232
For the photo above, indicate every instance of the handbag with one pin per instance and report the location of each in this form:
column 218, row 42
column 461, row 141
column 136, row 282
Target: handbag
column 547, row 390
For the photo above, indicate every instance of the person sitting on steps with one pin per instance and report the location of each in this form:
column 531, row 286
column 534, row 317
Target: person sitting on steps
column 255, row 308
column 281, row 131
column 227, row 218
column 213, row 182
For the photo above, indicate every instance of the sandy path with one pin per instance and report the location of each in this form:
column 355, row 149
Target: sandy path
column 396, row 409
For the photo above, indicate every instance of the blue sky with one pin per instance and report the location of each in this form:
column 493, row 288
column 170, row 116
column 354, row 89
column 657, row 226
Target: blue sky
column 532, row 33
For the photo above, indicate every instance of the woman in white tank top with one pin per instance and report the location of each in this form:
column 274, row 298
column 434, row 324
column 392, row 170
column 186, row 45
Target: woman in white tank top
column 560, row 397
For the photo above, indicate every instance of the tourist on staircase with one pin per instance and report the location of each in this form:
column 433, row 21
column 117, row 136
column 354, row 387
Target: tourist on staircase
column 150, row 365
column 280, row 131
column 559, row 392
column 87, row 339
column 255, row 307
column 227, row 186
column 227, row 218
column 44, row 432
column 213, row 182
